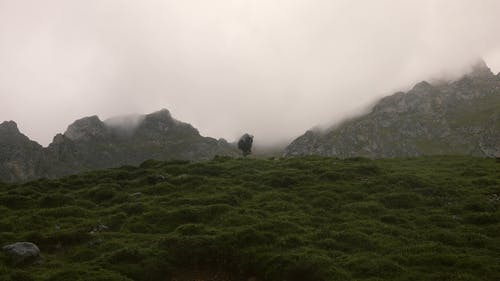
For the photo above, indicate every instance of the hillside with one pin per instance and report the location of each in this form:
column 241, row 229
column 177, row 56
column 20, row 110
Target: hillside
column 460, row 117
column 296, row 219
column 90, row 144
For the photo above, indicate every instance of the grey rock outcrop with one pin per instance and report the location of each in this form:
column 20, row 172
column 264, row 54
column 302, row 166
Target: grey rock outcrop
column 90, row 143
column 460, row 117
column 22, row 252
column 19, row 156
column 85, row 129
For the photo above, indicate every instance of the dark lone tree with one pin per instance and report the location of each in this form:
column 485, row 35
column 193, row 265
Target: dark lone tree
column 245, row 144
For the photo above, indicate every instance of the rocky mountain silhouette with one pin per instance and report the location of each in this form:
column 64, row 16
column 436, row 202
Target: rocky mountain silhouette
column 458, row 117
column 90, row 144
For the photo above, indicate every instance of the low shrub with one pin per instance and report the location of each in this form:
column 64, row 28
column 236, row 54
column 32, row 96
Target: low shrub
column 401, row 200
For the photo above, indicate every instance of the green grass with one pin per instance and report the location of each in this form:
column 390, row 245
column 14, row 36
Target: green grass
column 297, row 219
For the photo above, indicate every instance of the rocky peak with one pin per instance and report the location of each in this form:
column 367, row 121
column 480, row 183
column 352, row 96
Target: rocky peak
column 423, row 86
column 90, row 143
column 159, row 116
column 480, row 70
column 453, row 118
column 10, row 134
column 86, row 128
column 161, row 113
column 160, row 122
column 59, row 139
column 8, row 128
column 419, row 98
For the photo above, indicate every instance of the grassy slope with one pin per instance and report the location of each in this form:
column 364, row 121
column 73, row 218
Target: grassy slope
column 435, row 218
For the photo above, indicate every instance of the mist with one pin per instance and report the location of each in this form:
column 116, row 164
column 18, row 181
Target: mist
column 270, row 68
column 125, row 124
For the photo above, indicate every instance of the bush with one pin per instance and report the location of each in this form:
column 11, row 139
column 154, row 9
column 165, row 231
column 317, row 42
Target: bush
column 301, row 266
column 65, row 212
column 331, row 176
column 430, row 260
column 369, row 208
column 351, row 240
column 85, row 274
column 16, row 201
column 192, row 229
column 55, row 200
column 392, row 219
column 18, row 275
column 482, row 218
column 401, row 200
column 363, row 266
column 281, row 179
column 102, row 193
column 479, row 204
column 368, row 170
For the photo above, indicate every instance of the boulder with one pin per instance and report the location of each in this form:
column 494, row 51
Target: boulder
column 245, row 144
column 22, row 252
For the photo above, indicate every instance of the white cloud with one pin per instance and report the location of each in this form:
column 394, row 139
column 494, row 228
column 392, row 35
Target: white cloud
column 271, row 68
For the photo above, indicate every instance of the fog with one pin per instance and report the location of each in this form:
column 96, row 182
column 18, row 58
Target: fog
column 126, row 124
column 270, row 68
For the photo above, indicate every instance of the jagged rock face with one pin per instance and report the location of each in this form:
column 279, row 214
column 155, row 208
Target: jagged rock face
column 161, row 127
column 460, row 117
column 20, row 158
column 85, row 129
column 90, row 143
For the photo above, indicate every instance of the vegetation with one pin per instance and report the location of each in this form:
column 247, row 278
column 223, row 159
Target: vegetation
column 433, row 218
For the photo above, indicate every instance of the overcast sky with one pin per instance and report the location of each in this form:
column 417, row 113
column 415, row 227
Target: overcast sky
column 273, row 68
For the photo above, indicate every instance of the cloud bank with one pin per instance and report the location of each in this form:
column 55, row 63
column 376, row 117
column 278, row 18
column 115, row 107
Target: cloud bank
column 270, row 68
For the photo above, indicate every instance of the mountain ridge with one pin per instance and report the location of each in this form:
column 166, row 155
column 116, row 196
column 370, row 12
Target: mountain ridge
column 89, row 143
column 458, row 117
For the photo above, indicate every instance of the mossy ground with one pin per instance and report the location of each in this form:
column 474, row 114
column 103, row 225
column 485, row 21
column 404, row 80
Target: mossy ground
column 296, row 219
